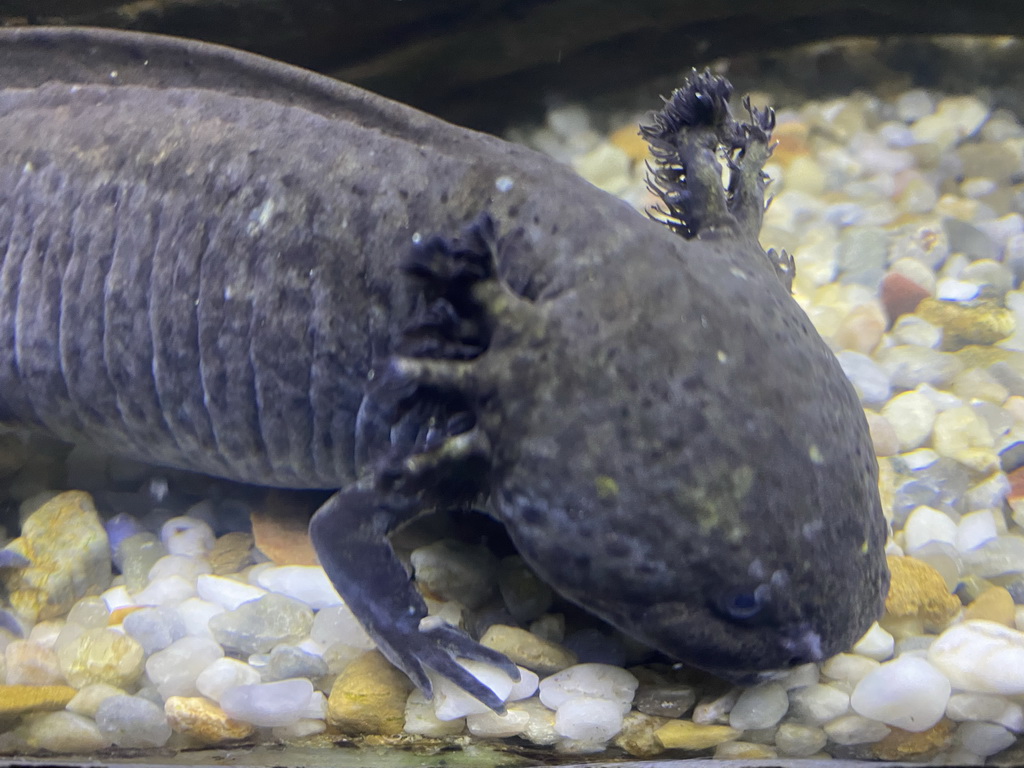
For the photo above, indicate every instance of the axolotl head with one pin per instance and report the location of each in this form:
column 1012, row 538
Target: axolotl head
column 680, row 453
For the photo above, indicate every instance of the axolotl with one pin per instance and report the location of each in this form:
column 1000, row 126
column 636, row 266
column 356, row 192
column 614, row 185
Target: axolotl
column 217, row 262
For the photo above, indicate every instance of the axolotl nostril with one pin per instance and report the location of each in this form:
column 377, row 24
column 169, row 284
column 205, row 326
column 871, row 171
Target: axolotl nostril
column 216, row 262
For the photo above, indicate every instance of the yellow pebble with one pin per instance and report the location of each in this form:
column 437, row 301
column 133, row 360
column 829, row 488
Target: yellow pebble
column 994, row 604
column 918, row 591
column 369, row 697
column 19, row 699
column 204, row 721
column 902, row 745
column 983, row 323
column 629, row 140
column 528, row 650
column 683, row 734
column 745, row 750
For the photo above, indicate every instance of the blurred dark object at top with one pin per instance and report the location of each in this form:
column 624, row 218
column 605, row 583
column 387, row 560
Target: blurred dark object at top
column 484, row 62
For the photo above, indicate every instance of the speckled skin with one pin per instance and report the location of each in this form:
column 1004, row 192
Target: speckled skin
column 203, row 257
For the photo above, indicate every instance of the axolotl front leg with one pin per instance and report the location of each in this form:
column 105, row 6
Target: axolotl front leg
column 420, row 448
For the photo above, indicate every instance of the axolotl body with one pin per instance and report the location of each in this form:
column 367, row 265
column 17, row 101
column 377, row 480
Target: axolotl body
column 220, row 263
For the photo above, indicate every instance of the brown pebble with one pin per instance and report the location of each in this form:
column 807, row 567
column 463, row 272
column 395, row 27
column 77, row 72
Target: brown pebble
column 637, row 734
column 368, row 697
column 537, row 654
column 862, row 329
column 994, row 604
column 902, row 745
column 791, row 142
column 883, row 436
column 917, row 590
column 900, row 295
column 20, row 699
column 231, row 553
column 204, row 721
column 280, row 529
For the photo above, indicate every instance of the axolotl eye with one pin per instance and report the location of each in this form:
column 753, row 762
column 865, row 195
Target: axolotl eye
column 743, row 606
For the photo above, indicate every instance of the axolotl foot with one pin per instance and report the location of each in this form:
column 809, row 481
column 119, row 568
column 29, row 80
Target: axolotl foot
column 349, row 533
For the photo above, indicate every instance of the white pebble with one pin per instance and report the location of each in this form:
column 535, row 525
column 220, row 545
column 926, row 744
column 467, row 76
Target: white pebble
column 907, row 693
column 876, row 644
column 588, row 719
column 174, row 669
column 452, row 702
column 491, row 725
column 912, row 416
column 179, row 565
column 300, row 729
column 526, row 687
column 984, row 739
column 117, row 597
column 337, row 624
column 795, row 740
column 224, row 674
column 974, row 529
column 225, row 592
column 818, row 704
column 306, row 583
column 268, row 704
column 421, row 720
column 926, row 524
column 187, row 536
column 132, row 722
column 848, row 667
column 975, row 706
column 196, row 614
column 855, row 729
column 981, row 656
column 600, row 681
column 759, row 707
column 948, row 289
column 169, row 591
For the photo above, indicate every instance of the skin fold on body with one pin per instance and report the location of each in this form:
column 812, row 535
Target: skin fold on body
column 220, row 263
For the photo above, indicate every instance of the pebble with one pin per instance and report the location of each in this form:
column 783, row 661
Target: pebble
column 196, row 614
column 796, row 740
column 855, row 729
column 759, row 707
column 907, row 693
column 230, row 553
column 452, row 570
column 305, row 583
column 908, row 366
column 101, row 656
column 984, row 739
column 982, row 657
column 818, row 704
column 917, row 591
column 869, row 378
column 268, row 704
column 227, row 593
column 912, row 416
column 65, row 732
column 259, row 625
column 21, row 699
column 89, row 698
column 588, row 719
column 452, row 702
column 982, row 322
column 962, row 435
column 369, row 697
column 187, row 536
column 848, row 668
column 174, row 670
column 525, row 595
column 287, row 661
column 911, row 329
column 29, row 663
column 202, row 720
column 138, row 554
column 926, row 524
column 665, row 699
column 876, row 644
column 224, row 674
column 902, row 745
column 994, row 604
column 155, row 628
column 67, row 545
column 599, row 681
column 683, row 734
column 743, row 750
column 338, row 624
column 132, row 722
column 420, row 720
column 528, row 650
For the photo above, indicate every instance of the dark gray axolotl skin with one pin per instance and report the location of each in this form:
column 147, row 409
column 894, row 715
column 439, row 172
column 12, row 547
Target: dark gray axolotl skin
column 217, row 262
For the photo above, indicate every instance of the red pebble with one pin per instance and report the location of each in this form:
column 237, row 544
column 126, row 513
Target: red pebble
column 900, row 295
column 1016, row 479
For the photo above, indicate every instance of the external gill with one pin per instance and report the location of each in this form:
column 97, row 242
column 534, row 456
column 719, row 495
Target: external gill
column 690, row 139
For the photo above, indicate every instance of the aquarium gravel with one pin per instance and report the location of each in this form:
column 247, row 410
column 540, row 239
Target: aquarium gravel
column 904, row 216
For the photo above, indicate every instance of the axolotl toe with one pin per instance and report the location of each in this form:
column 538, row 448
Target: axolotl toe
column 220, row 263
